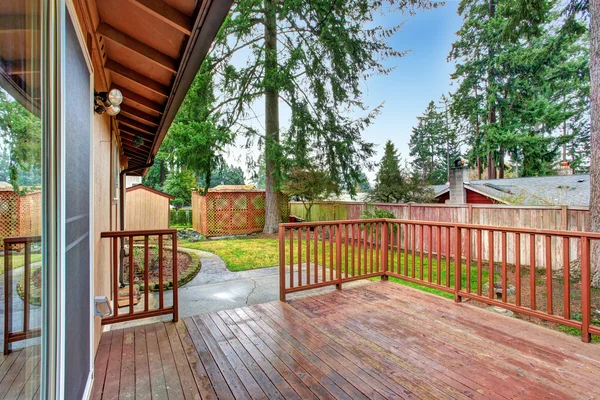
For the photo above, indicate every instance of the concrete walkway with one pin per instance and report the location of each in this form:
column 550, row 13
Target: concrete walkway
column 217, row 288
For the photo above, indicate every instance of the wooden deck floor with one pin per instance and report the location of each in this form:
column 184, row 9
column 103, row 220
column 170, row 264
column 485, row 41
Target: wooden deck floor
column 378, row 341
column 20, row 374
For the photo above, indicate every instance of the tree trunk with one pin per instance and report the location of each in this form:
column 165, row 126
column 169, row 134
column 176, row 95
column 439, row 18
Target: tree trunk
column 595, row 135
column 501, row 162
column 272, row 214
column 492, row 112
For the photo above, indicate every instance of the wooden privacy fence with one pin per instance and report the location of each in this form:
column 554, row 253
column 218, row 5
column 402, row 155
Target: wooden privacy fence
column 151, row 240
column 20, row 216
column 449, row 257
column 25, row 331
column 529, row 217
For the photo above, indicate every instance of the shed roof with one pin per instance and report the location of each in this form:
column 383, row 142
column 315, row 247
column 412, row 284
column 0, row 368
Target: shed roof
column 149, row 189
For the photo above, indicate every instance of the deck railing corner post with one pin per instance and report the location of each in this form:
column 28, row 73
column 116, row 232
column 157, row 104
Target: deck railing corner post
column 385, row 249
column 175, row 283
column 281, row 263
column 457, row 264
column 338, row 256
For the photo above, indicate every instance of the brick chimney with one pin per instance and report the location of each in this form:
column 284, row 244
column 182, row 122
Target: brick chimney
column 459, row 175
column 565, row 168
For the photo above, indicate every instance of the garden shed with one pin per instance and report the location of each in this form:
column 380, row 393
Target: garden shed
column 146, row 208
column 20, row 214
column 229, row 210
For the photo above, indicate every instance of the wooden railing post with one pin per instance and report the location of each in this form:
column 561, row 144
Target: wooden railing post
column 175, row 284
column 338, row 256
column 281, row 263
column 457, row 264
column 585, row 290
column 384, row 250
column 7, row 300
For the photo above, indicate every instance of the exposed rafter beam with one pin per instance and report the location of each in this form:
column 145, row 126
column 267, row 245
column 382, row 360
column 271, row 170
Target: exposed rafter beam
column 136, row 77
column 166, row 13
column 130, row 136
column 134, row 124
column 135, row 45
column 133, row 132
column 136, row 150
column 133, row 153
column 145, row 118
column 139, row 99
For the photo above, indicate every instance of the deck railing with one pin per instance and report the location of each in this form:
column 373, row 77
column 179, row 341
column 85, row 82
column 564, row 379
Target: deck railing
column 131, row 247
column 455, row 258
column 22, row 245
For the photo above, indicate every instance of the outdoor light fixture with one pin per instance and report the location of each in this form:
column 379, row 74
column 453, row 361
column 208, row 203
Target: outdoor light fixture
column 108, row 102
column 101, row 306
column 137, row 141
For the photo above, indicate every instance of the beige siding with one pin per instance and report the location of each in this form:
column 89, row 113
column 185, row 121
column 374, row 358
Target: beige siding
column 145, row 209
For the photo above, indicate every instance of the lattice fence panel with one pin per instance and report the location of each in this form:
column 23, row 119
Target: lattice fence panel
column 30, row 214
column 9, row 216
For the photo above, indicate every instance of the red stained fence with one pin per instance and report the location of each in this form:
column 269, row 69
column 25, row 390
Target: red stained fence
column 450, row 257
column 24, row 245
column 146, row 240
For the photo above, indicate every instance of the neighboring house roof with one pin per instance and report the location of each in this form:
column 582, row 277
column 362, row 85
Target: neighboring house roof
column 232, row 188
column 5, row 187
column 137, row 187
column 358, row 197
column 440, row 189
column 569, row 190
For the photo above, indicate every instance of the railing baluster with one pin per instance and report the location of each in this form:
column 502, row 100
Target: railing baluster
column 365, row 249
column 448, row 256
column 398, row 249
column 491, row 263
column 567, row 278
column 316, row 250
column 429, row 255
column 175, row 283
column 131, row 266
column 26, row 287
column 161, row 296
column 421, row 252
column 468, row 261
column 518, row 268
column 457, row 264
column 338, row 256
column 586, row 308
column 7, row 300
column 115, row 241
column 323, row 270
column 532, row 271
column 331, row 265
column 292, row 259
column 406, row 238
column 308, row 256
column 479, row 262
column 346, row 249
column 300, row 258
column 413, row 246
column 371, row 239
column 146, row 267
column 378, row 250
column 548, row 274
column 504, row 275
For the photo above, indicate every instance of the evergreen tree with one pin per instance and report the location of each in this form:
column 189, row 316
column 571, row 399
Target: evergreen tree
column 311, row 56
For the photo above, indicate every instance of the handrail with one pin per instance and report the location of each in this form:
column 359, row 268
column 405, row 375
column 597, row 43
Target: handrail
column 11, row 336
column 460, row 259
column 130, row 237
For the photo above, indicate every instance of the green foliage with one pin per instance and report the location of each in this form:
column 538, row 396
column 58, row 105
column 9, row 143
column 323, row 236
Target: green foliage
column 225, row 174
column 395, row 185
column 363, row 185
column 522, row 84
column 308, row 186
column 20, row 138
column 374, row 213
column 180, row 184
column 180, row 218
column 312, row 56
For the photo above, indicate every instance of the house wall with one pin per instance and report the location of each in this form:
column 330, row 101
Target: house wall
column 146, row 210
column 477, row 198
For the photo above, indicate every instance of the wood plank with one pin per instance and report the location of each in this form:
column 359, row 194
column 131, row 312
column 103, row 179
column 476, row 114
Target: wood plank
column 206, row 342
column 188, row 383
column 33, row 384
column 151, row 54
column 158, row 385
column 142, row 368
column 275, row 385
column 101, row 364
column 294, row 364
column 247, row 336
column 127, row 387
column 13, row 372
column 174, row 388
column 112, row 381
column 202, row 378
column 8, row 362
column 136, row 77
column 247, row 378
column 18, row 385
column 135, row 113
column 135, row 126
column 166, row 13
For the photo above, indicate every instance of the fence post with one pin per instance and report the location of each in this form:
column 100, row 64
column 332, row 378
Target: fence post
column 338, row 256
column 384, row 250
column 457, row 264
column 282, row 263
column 585, row 290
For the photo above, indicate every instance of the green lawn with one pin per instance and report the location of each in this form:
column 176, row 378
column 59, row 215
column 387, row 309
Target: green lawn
column 19, row 261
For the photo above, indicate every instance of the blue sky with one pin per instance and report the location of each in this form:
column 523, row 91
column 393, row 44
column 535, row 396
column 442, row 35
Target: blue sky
column 420, row 76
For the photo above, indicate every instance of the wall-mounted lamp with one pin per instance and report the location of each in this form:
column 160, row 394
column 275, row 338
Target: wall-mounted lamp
column 108, row 102
column 101, row 306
